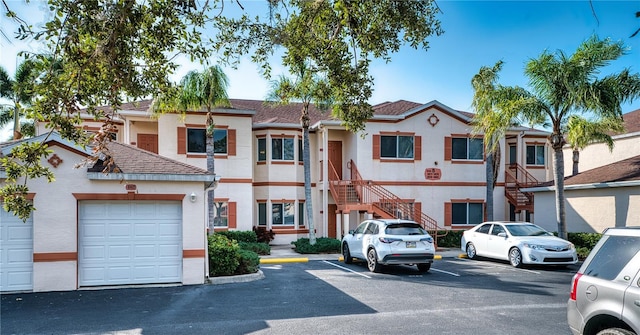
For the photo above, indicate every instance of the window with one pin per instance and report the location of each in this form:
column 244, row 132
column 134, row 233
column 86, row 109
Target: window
column 262, row 149
column 262, row 214
column 220, row 214
column 614, row 254
column 497, row 229
column 484, row 228
column 197, row 141
column 282, row 149
column 282, row 214
column 535, row 154
column 466, row 213
column 396, row 146
column 300, row 151
column 301, row 214
column 467, row 148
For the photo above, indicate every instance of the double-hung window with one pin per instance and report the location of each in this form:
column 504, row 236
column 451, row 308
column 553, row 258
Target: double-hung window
column 396, row 146
column 466, row 213
column 220, row 214
column 467, row 148
column 282, row 149
column 535, row 154
column 197, row 141
column 262, row 149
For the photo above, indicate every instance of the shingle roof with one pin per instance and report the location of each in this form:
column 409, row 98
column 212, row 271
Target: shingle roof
column 632, row 121
column 130, row 159
column 289, row 114
column 624, row 170
column 394, row 108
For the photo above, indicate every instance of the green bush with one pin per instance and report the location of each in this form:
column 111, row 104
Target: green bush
column 451, row 240
column 264, row 235
column 586, row 240
column 223, row 255
column 258, row 248
column 323, row 245
column 240, row 236
column 249, row 262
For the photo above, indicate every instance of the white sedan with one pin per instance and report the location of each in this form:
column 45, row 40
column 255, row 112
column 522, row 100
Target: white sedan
column 519, row 243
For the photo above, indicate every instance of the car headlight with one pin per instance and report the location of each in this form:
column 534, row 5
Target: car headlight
column 571, row 246
column 534, row 246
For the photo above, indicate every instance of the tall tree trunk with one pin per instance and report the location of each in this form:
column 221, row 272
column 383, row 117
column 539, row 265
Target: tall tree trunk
column 17, row 133
column 306, row 161
column 489, row 172
column 576, row 160
column 211, row 169
column 558, row 175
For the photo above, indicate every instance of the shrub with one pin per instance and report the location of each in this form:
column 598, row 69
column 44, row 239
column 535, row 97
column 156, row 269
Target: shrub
column 248, row 262
column 451, row 240
column 587, row 240
column 240, row 236
column 264, row 235
column 323, row 245
column 258, row 248
column 223, row 255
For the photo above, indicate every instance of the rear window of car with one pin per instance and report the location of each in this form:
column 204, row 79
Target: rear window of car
column 405, row 229
column 614, row 254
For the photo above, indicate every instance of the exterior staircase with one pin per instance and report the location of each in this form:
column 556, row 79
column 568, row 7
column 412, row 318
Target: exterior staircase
column 517, row 178
column 365, row 195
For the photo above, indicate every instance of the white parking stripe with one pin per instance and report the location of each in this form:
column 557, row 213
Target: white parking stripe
column 347, row 269
column 446, row 272
column 507, row 267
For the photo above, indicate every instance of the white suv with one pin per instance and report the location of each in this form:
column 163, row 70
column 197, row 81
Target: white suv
column 605, row 293
column 389, row 241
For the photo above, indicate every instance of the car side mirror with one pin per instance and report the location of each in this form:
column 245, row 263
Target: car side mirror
column 502, row 234
column 351, row 231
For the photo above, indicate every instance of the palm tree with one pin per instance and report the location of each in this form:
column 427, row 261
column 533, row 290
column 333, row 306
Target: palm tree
column 582, row 132
column 205, row 89
column 309, row 89
column 562, row 86
column 20, row 90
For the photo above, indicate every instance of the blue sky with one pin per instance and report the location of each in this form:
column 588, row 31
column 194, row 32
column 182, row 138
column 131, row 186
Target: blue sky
column 477, row 33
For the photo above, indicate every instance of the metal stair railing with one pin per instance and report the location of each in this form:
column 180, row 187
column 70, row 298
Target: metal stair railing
column 516, row 178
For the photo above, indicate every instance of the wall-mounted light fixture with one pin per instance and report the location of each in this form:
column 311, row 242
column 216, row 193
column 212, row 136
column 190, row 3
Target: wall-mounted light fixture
column 192, row 197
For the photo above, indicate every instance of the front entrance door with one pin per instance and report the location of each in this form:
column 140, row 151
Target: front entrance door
column 335, row 157
column 331, row 216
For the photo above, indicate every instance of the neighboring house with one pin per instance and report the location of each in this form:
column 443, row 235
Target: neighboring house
column 140, row 224
column 606, row 196
column 414, row 160
column 597, row 154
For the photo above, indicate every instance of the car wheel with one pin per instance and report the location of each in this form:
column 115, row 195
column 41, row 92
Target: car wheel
column 471, row 251
column 424, row 267
column 515, row 257
column 372, row 261
column 615, row 331
column 346, row 254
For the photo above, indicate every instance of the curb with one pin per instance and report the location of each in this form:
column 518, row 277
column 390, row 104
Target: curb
column 283, row 260
column 236, row 279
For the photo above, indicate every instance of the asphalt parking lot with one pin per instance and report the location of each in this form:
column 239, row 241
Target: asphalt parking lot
column 457, row 296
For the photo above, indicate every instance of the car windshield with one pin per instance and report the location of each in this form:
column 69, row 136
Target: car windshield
column 405, row 229
column 526, row 230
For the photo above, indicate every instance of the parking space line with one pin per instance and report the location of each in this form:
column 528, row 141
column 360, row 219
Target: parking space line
column 506, row 267
column 446, row 272
column 347, row 269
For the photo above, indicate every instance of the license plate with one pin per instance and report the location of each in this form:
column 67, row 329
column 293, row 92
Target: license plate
column 411, row 244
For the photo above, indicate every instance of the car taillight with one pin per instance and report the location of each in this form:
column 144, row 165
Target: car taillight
column 574, row 286
column 427, row 239
column 388, row 239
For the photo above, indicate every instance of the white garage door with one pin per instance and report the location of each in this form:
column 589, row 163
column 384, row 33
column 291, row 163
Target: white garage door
column 129, row 242
column 16, row 253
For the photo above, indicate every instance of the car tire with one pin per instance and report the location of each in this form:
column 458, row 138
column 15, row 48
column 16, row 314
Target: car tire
column 372, row 261
column 471, row 251
column 515, row 257
column 346, row 254
column 424, row 267
column 615, row 331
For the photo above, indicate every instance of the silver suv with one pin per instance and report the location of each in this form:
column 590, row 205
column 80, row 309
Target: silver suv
column 605, row 293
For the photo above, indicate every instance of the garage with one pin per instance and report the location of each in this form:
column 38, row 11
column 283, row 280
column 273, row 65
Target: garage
column 16, row 253
column 129, row 242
